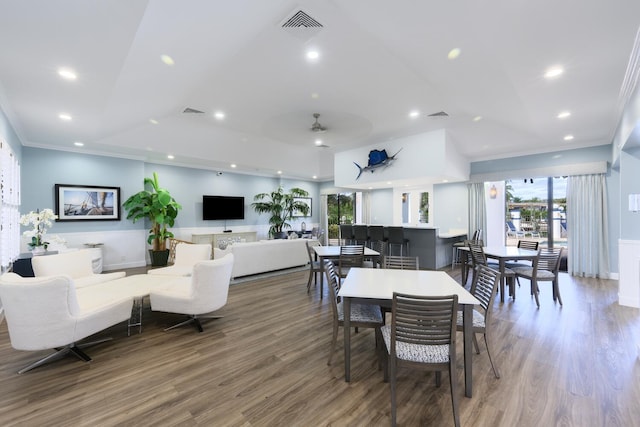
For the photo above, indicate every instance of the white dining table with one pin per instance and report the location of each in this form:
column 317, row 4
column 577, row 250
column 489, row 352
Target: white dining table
column 503, row 254
column 376, row 286
column 333, row 252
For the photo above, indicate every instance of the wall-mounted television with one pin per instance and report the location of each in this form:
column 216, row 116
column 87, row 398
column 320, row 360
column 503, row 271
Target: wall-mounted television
column 222, row 207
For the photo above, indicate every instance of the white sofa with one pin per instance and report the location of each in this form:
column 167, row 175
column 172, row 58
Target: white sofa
column 75, row 264
column 265, row 255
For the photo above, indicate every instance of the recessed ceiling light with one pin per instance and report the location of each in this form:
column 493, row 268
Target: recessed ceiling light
column 315, row 95
column 388, row 182
column 568, row 137
column 553, row 72
column 233, row 165
column 170, row 157
column 313, row 55
column 64, row 116
column 167, row 59
column 557, row 156
column 78, row 144
column 153, row 121
column 445, row 180
column 67, row 74
column 564, row 114
column 370, row 188
column 413, row 114
column 454, row 53
column 279, row 172
column 315, row 177
column 318, row 142
column 477, row 118
column 219, row 115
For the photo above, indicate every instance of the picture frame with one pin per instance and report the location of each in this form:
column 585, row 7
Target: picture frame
column 87, row 203
column 305, row 200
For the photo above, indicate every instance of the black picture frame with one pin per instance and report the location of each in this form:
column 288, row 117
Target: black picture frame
column 87, row 203
column 305, row 200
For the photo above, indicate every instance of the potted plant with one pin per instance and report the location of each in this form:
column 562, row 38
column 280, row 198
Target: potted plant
column 280, row 206
column 161, row 210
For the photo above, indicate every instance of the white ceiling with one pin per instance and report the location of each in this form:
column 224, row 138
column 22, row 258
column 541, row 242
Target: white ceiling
column 378, row 61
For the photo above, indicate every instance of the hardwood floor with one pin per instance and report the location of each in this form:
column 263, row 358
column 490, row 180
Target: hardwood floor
column 264, row 364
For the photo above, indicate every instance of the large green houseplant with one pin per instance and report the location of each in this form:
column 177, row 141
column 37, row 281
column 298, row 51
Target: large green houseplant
column 161, row 210
column 281, row 206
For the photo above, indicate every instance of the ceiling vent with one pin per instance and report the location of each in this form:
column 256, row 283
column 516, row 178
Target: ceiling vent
column 438, row 114
column 192, row 111
column 301, row 25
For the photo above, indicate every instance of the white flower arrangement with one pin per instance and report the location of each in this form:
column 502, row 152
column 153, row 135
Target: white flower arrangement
column 40, row 220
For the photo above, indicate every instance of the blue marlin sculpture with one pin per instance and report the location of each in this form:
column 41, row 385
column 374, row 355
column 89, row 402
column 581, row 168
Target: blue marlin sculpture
column 377, row 159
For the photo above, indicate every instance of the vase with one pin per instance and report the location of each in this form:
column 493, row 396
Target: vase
column 38, row 250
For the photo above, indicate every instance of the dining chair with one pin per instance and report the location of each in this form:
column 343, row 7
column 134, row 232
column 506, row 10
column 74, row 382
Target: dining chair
column 532, row 245
column 545, row 268
column 401, row 262
column 484, row 289
column 362, row 315
column 350, row 256
column 479, row 258
column 379, row 246
column 455, row 256
column 422, row 335
column 314, row 266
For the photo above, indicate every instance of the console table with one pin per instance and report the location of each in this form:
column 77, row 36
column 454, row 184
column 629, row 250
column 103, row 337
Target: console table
column 214, row 238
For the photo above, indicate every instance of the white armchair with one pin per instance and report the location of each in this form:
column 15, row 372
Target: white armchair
column 45, row 312
column 76, row 264
column 205, row 291
column 186, row 256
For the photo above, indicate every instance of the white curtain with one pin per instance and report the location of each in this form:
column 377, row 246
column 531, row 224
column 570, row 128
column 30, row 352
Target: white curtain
column 477, row 208
column 587, row 232
column 9, row 206
column 366, row 207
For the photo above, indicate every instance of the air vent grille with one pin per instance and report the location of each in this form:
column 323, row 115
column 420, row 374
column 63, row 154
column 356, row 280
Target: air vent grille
column 439, row 114
column 192, row 111
column 301, row 19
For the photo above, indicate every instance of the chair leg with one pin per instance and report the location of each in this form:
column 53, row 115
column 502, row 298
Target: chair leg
column 195, row 320
column 454, row 395
column 334, row 340
column 475, row 344
column 392, row 387
column 486, row 342
column 74, row 349
column 534, row 290
column 556, row 290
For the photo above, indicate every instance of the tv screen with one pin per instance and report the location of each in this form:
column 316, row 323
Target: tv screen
column 222, row 207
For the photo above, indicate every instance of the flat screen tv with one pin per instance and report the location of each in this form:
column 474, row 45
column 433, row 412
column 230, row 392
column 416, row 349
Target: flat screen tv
column 222, row 207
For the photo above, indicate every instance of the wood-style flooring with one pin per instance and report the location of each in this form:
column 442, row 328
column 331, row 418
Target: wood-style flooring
column 265, row 364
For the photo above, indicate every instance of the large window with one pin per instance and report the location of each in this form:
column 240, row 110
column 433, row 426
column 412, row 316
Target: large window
column 530, row 215
column 341, row 209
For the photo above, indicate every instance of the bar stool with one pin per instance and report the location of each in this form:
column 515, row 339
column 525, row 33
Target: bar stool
column 396, row 237
column 376, row 234
column 346, row 234
column 360, row 235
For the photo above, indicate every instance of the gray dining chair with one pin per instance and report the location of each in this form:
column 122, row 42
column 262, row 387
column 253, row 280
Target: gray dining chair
column 545, row 269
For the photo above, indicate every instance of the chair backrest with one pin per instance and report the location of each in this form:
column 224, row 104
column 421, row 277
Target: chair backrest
column 334, row 285
column 74, row 264
column 210, row 284
column 484, row 287
column 376, row 233
column 312, row 254
column 173, row 243
column 477, row 253
column 188, row 254
column 395, row 234
column 351, row 256
column 528, row 244
column 401, row 262
column 379, row 246
column 360, row 233
column 423, row 320
column 548, row 259
column 477, row 235
column 346, row 232
column 40, row 311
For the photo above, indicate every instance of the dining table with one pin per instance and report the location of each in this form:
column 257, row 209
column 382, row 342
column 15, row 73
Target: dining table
column 376, row 286
column 333, row 252
column 503, row 254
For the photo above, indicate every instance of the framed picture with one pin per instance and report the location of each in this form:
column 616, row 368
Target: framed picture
column 87, row 203
column 306, row 201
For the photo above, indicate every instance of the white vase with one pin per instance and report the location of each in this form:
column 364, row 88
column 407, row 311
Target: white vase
column 38, row 250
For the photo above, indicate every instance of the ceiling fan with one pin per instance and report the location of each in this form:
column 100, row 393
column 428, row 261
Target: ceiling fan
column 316, row 126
